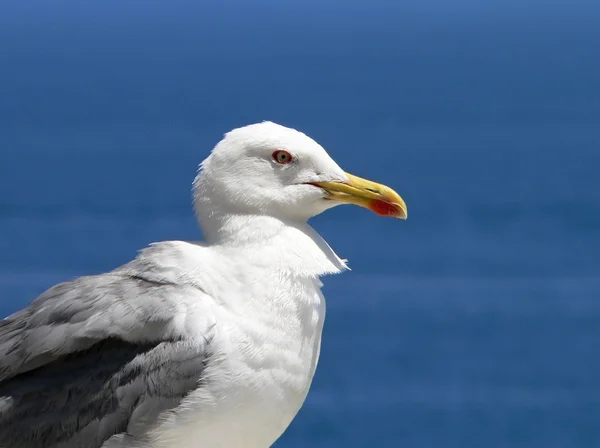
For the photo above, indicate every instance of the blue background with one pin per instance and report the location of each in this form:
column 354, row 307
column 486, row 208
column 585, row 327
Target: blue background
column 476, row 323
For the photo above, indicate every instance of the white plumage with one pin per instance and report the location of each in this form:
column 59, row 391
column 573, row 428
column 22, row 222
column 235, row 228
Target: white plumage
column 241, row 314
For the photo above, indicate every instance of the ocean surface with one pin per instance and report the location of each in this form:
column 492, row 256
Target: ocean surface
column 475, row 323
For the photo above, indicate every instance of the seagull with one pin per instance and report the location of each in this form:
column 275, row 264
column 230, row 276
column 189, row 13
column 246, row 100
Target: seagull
column 191, row 344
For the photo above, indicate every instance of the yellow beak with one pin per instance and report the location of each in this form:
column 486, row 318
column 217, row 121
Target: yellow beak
column 376, row 197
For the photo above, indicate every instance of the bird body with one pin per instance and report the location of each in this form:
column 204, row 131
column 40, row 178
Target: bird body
column 275, row 350
column 210, row 344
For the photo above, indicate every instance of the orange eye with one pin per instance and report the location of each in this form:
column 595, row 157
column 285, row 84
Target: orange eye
column 282, row 157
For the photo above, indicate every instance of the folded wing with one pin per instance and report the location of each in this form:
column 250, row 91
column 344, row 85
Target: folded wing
column 99, row 357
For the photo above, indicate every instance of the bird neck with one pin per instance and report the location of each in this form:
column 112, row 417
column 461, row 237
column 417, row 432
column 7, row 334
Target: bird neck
column 294, row 247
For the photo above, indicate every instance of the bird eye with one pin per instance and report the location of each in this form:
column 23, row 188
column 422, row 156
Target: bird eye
column 282, row 157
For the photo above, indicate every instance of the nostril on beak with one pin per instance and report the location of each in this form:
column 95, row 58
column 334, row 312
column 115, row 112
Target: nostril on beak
column 373, row 191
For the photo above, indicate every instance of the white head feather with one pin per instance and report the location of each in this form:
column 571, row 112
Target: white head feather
column 241, row 176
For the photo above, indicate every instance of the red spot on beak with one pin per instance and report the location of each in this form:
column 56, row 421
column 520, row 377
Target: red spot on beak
column 383, row 208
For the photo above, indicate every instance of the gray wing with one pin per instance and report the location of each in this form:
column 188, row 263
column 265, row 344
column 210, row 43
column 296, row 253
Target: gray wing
column 93, row 358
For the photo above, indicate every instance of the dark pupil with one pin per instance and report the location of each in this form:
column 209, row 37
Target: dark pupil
column 282, row 156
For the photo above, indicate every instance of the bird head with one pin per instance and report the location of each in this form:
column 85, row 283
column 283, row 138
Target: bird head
column 269, row 169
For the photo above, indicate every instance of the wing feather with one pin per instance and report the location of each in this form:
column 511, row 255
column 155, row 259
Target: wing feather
column 98, row 356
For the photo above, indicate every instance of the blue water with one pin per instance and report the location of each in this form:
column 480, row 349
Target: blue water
column 476, row 323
